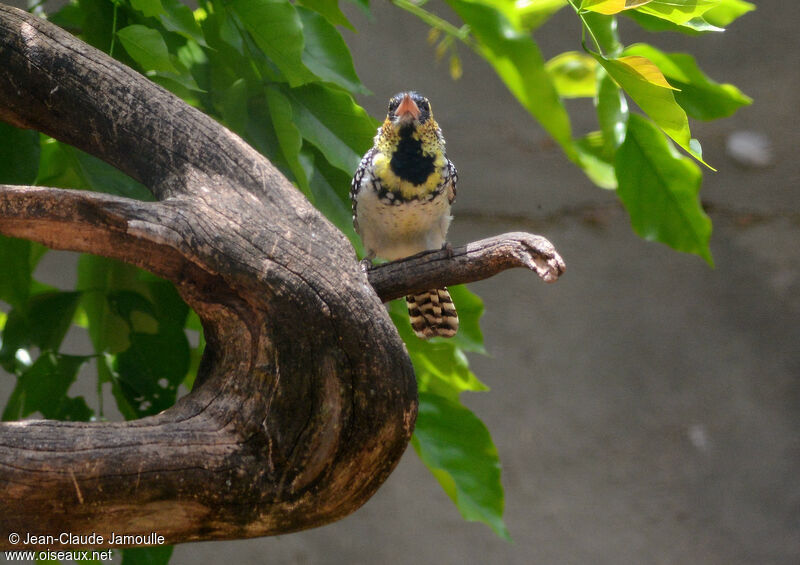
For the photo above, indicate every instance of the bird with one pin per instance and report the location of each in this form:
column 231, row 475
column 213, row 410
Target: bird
column 401, row 194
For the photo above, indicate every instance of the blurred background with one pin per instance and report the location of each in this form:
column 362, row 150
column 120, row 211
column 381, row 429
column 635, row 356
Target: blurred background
column 646, row 407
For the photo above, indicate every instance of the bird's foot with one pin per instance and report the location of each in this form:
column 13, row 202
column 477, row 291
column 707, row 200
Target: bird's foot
column 365, row 264
column 446, row 247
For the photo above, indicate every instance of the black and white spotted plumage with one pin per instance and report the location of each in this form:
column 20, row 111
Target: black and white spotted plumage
column 401, row 195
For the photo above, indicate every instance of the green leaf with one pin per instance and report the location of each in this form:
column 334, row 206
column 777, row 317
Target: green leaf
column 260, row 132
column 659, row 189
column 97, row 17
column 157, row 555
column 332, row 121
column 98, row 277
column 518, row 62
column 695, row 26
column 19, row 155
column 573, row 74
column 440, row 364
column 727, row 11
column 43, row 387
column 646, row 85
column 66, row 167
column 17, row 272
column 595, row 161
column 146, row 46
column 178, row 18
column 457, row 448
column 329, row 9
column 326, row 54
column 533, row 14
column 278, row 31
column 149, row 372
column 289, row 137
column 363, row 5
column 330, row 194
column 609, row 7
column 49, row 316
column 604, row 30
column 677, row 11
column 233, row 105
column 470, row 309
column 701, row 97
column 150, row 8
column 612, row 113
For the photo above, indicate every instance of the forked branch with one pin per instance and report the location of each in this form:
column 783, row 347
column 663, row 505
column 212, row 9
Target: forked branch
column 305, row 398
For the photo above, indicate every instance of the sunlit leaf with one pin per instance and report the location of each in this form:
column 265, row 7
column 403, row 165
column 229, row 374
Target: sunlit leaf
column 643, row 83
column 695, row 26
column 573, row 74
column 701, row 97
column 677, row 11
column 533, row 13
column 605, row 30
column 609, row 7
column 727, row 11
column 594, row 160
column 659, row 189
column 612, row 113
column 518, row 62
column 645, row 69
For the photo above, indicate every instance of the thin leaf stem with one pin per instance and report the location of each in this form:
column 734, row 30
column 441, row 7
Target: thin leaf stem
column 462, row 33
column 113, row 31
column 585, row 27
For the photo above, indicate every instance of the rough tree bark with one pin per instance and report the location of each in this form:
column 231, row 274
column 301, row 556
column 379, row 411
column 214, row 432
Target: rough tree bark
column 305, row 399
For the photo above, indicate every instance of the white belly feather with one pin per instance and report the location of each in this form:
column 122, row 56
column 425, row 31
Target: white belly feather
column 394, row 231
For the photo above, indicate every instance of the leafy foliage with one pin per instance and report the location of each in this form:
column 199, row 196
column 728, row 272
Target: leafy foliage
column 280, row 75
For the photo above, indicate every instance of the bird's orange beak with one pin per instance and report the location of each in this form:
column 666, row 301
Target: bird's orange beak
column 407, row 108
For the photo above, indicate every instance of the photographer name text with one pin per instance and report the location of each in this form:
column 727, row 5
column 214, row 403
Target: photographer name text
column 67, row 538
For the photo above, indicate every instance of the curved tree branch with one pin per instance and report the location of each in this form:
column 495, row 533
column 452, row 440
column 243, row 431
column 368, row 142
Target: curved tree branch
column 469, row 263
column 286, row 428
column 305, row 398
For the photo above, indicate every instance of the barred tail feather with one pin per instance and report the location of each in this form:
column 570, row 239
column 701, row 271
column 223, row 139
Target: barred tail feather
column 432, row 314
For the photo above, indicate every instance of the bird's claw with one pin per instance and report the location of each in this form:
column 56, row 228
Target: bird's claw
column 447, row 248
column 365, row 264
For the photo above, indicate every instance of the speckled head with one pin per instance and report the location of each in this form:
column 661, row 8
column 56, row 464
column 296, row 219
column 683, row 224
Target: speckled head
column 408, row 109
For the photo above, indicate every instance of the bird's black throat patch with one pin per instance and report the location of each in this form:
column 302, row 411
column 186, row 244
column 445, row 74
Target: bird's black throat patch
column 408, row 162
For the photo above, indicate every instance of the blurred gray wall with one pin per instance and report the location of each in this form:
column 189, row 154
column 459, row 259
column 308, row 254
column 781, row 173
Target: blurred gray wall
column 646, row 406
